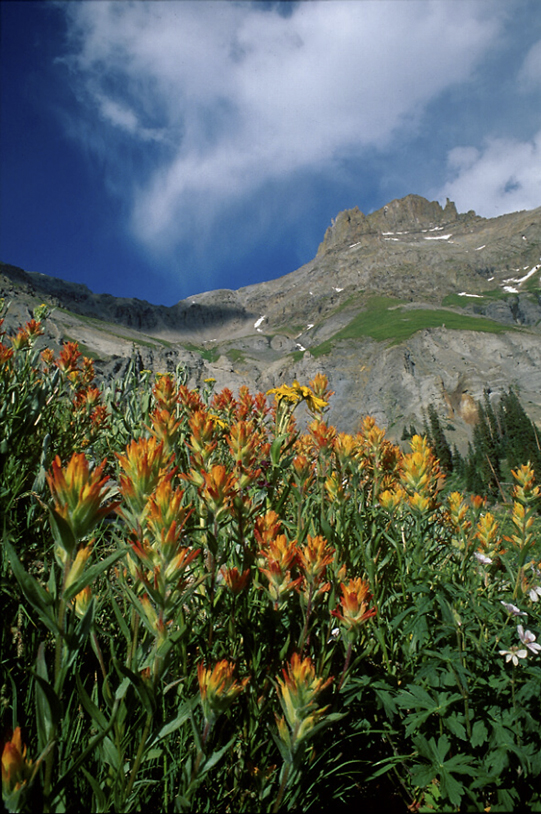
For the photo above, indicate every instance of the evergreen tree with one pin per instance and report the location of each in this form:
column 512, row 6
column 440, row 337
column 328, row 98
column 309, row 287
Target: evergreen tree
column 438, row 441
column 459, row 465
column 520, row 438
column 483, row 469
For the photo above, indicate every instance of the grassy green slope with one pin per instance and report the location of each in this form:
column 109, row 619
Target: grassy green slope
column 384, row 321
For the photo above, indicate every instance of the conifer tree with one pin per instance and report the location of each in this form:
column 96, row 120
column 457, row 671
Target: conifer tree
column 438, row 441
column 520, row 439
column 483, row 469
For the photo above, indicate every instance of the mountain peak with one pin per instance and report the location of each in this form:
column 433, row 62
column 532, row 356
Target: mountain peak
column 412, row 213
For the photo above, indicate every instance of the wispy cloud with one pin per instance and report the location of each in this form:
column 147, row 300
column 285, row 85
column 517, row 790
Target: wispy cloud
column 230, row 96
column 503, row 176
column 530, row 74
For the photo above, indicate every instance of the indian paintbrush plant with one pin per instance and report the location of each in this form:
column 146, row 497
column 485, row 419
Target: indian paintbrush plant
column 208, row 608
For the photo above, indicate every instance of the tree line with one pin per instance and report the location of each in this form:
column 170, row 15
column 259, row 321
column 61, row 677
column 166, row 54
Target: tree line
column 504, row 438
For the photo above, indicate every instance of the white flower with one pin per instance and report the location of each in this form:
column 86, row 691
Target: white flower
column 482, row 558
column 514, row 655
column 513, row 609
column 535, row 593
column 527, row 638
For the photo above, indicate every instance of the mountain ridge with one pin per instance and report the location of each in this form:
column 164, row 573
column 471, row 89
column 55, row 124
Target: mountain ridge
column 390, row 308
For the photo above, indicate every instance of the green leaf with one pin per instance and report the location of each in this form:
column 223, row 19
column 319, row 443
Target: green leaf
column 90, row 574
column 181, row 718
column 62, row 532
column 479, row 734
column 111, row 755
column 77, row 640
column 422, row 775
column 496, row 761
column 97, row 716
column 451, row 787
column 101, row 800
column 120, row 619
column 38, row 597
column 216, row 757
column 276, row 449
column 147, row 698
column 48, row 707
column 388, row 702
column 455, row 726
column 415, row 696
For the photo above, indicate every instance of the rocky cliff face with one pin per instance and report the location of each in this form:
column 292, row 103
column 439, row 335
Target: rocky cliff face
column 412, row 304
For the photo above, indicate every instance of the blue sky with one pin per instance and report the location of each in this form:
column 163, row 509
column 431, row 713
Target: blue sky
column 159, row 149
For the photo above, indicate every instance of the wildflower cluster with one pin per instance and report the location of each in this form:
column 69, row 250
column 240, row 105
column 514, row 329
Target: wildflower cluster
column 223, row 595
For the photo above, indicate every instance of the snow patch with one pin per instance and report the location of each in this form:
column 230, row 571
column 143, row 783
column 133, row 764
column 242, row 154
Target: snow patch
column 354, row 245
column 438, row 237
column 464, row 294
column 338, row 289
column 310, row 325
column 478, row 249
column 258, row 322
column 510, row 289
column 299, row 346
column 526, row 276
column 519, row 280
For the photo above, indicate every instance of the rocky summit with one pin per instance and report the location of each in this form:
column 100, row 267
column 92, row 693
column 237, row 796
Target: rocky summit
column 410, row 305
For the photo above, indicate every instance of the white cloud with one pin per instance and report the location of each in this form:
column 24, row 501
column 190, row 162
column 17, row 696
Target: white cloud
column 530, row 74
column 242, row 95
column 505, row 176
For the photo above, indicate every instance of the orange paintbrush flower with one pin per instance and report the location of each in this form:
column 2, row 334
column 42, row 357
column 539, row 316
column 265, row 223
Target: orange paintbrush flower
column 218, row 489
column 144, row 465
column 78, row 495
column 243, row 443
column 68, row 359
column 297, row 692
column 314, row 557
column 165, row 428
column 165, row 393
column 16, row 769
column 280, row 556
column 203, row 438
column 421, row 474
column 20, row 340
column 234, row 580
column 267, row 527
column 355, row 610
column 218, row 689
column 165, row 513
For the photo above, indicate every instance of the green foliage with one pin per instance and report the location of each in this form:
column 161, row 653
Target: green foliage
column 209, row 354
column 385, row 320
column 206, row 610
column 519, row 437
column 456, row 301
column 504, row 438
column 434, row 431
column 236, row 356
